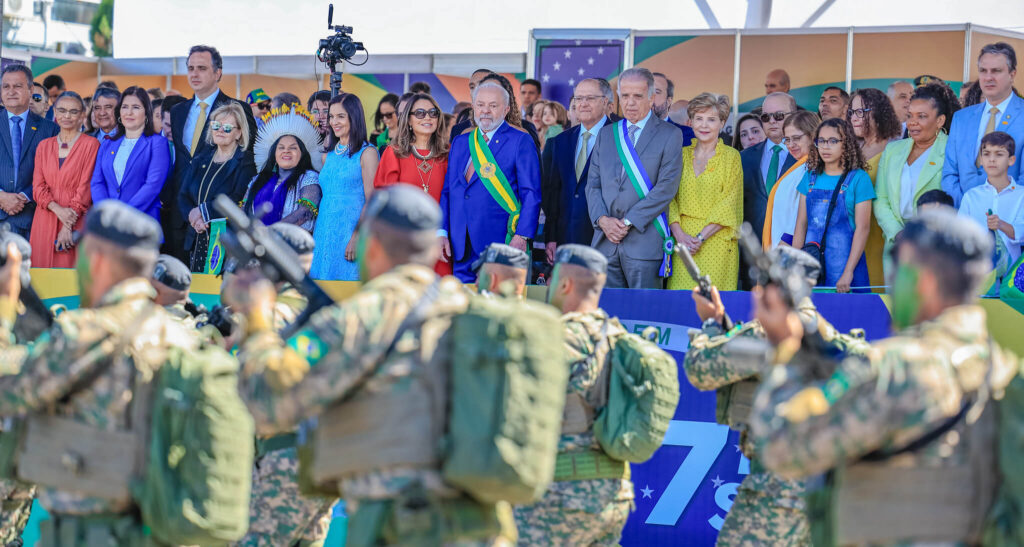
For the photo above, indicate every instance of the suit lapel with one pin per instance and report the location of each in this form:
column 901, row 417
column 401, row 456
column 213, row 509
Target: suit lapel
column 133, row 157
column 31, row 128
column 108, row 154
column 5, row 136
column 178, row 125
column 647, row 135
column 569, row 167
column 933, row 165
column 1013, row 115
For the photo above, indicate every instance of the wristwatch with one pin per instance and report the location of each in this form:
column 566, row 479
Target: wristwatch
column 627, row 223
column 700, row 238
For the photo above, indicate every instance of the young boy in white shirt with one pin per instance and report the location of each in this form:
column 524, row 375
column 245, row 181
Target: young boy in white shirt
column 999, row 203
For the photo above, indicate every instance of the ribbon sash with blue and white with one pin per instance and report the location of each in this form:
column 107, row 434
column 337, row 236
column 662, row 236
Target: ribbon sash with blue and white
column 642, row 184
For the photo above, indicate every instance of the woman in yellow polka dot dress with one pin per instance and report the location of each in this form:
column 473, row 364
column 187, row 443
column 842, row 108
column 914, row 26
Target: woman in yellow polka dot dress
column 706, row 213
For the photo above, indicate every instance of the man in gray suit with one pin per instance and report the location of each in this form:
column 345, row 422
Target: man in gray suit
column 21, row 134
column 626, row 224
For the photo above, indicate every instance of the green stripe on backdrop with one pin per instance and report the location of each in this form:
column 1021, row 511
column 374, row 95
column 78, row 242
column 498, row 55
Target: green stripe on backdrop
column 808, row 96
column 368, row 78
column 45, row 64
column 649, row 46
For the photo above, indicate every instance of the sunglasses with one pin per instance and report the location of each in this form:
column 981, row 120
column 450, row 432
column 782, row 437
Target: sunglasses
column 420, row 113
column 265, row 105
column 778, row 116
column 387, row 115
column 37, row 97
column 225, row 127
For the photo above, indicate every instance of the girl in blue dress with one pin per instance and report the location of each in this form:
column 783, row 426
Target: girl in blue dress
column 346, row 181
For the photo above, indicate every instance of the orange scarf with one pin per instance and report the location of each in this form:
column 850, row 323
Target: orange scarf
column 766, row 233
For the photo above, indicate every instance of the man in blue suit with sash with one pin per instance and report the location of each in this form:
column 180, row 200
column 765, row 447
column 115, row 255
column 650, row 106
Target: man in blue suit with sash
column 1001, row 110
column 22, row 132
column 492, row 187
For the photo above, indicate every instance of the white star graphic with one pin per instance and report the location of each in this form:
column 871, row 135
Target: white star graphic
column 600, row 51
column 568, row 54
column 558, row 65
column 545, row 78
column 580, row 72
column 717, row 481
column 590, row 61
column 579, row 42
column 647, row 491
column 572, row 81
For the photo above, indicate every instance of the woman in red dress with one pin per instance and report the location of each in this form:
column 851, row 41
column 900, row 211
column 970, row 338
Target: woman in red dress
column 418, row 153
column 60, row 185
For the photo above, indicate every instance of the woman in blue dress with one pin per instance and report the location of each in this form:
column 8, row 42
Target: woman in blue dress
column 346, row 181
column 836, row 180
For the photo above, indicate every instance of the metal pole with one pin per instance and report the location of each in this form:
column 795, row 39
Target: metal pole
column 736, row 76
column 849, row 59
column 968, row 31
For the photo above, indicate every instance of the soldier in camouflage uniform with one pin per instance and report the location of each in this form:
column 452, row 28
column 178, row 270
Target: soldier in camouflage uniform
column 908, row 427
column 116, row 257
column 172, row 280
column 279, row 515
column 580, row 509
column 344, row 357
column 15, row 510
column 501, row 270
column 767, row 509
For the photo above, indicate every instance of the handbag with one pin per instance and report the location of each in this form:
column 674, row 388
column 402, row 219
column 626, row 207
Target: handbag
column 817, row 249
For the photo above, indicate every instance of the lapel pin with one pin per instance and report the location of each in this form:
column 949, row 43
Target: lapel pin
column 33, row 128
column 931, row 163
column 1005, row 122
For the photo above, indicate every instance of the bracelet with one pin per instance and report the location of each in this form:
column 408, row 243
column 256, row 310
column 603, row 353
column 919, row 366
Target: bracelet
column 309, row 205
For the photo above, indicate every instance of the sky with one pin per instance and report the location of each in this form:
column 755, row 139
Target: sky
column 164, row 28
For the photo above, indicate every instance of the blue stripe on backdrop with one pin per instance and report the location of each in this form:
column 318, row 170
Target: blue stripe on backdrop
column 685, row 490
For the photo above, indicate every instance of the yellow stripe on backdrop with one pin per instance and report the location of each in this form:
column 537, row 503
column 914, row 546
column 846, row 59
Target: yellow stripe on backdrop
column 1003, row 321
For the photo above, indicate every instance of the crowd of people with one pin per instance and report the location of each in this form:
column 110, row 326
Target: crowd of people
column 529, row 172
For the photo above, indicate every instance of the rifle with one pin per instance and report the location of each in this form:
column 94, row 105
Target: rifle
column 37, row 317
column 703, row 281
column 248, row 239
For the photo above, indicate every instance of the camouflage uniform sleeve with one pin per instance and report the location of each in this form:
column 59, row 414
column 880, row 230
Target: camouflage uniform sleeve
column 802, row 427
column 38, row 374
column 287, row 381
column 715, row 360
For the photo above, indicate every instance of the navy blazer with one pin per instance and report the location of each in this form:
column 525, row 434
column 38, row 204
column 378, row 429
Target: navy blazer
column 565, row 197
column 755, row 194
column 144, row 175
column 36, row 129
column 467, row 208
column 231, row 179
column 688, row 134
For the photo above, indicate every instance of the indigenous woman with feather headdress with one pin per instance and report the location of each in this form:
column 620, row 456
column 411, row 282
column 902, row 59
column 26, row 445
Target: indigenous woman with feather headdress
column 287, row 154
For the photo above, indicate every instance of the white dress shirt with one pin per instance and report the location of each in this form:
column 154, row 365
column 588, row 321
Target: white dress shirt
column 193, row 116
column 908, row 184
column 593, row 137
column 1008, row 204
column 766, row 159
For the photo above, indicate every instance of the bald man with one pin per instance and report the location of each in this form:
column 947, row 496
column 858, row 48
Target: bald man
column 777, row 81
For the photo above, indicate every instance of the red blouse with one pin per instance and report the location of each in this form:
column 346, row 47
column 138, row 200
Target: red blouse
column 425, row 174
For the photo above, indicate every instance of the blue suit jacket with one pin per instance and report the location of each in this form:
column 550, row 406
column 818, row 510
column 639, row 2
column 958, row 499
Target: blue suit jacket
column 467, row 208
column 144, row 175
column 36, row 129
column 688, row 134
column 960, row 172
column 568, row 217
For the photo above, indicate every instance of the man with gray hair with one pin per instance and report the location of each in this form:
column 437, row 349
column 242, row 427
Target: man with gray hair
column 634, row 174
column 566, row 166
column 492, row 187
column 899, row 93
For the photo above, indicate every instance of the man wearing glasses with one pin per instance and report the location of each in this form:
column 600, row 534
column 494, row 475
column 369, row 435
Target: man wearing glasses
column 40, row 101
column 764, row 164
column 565, row 165
column 18, row 141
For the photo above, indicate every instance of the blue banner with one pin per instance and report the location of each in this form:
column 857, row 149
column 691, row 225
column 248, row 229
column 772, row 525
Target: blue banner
column 684, row 492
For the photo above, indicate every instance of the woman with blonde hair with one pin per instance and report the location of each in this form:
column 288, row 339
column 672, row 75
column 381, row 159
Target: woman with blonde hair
column 784, row 200
column 706, row 213
column 222, row 169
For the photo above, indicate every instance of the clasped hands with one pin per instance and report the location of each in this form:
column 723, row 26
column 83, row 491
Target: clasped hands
column 614, row 228
column 195, row 218
column 12, row 203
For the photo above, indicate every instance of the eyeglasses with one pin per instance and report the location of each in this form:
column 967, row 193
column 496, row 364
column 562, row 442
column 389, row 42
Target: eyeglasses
column 66, row 112
column 778, row 116
column 860, row 112
column 793, row 139
column 265, row 105
column 587, row 98
column 831, row 143
column 387, row 115
column 318, row 111
column 37, row 97
column 420, row 113
column 225, row 127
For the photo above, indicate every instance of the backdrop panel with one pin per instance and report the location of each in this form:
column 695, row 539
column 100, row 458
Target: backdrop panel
column 695, row 64
column 880, row 58
column 813, row 61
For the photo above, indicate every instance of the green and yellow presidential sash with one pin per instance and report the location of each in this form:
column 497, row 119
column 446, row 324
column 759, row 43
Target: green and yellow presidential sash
column 494, row 180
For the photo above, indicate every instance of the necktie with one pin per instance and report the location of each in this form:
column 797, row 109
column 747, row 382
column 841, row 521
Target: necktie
column 197, row 133
column 581, row 158
column 633, row 129
column 16, row 143
column 773, row 168
column 469, row 167
column 993, row 113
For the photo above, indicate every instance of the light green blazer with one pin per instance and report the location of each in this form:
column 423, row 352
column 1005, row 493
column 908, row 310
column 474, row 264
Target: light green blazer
column 888, row 186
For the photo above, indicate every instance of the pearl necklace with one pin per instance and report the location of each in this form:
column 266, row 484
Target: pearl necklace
column 340, row 149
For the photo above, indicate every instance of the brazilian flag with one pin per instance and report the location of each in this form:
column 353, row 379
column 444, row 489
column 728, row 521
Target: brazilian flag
column 215, row 252
column 1012, row 290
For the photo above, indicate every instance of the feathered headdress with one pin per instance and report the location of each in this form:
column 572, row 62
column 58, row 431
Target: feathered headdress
column 288, row 120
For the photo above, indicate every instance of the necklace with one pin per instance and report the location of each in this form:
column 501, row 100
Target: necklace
column 341, row 149
column 67, row 145
column 424, row 168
